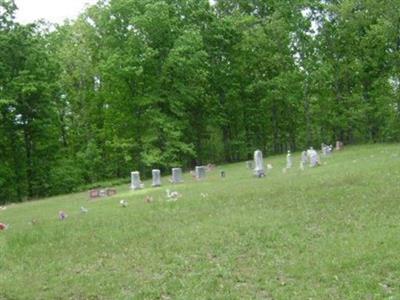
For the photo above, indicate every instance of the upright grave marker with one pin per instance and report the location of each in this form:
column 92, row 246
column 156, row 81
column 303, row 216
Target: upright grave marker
column 200, row 172
column 156, row 176
column 177, row 175
column 288, row 160
column 326, row 149
column 258, row 164
column 314, row 158
column 303, row 160
column 136, row 184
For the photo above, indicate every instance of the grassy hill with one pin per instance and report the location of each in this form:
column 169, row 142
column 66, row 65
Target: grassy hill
column 331, row 232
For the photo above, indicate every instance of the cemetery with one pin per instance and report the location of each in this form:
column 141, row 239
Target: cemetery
column 330, row 229
column 199, row 149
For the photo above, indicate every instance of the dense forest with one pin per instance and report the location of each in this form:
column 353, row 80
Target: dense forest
column 137, row 84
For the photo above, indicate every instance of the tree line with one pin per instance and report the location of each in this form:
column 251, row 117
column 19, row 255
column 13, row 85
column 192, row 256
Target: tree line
column 142, row 84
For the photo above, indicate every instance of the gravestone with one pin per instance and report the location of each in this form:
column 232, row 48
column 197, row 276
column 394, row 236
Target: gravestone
column 177, row 175
column 326, row 149
column 309, row 152
column 288, row 160
column 102, row 193
column 258, row 164
column 200, row 172
column 111, row 192
column 314, row 158
column 136, row 184
column 339, row 145
column 94, row 193
column 156, row 175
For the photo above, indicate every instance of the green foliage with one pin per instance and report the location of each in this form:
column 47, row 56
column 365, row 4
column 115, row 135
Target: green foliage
column 140, row 84
column 65, row 177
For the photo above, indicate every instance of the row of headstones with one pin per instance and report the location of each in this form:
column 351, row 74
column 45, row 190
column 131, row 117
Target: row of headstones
column 137, row 184
column 310, row 155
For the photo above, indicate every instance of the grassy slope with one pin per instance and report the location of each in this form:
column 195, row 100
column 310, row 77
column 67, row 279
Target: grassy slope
column 325, row 233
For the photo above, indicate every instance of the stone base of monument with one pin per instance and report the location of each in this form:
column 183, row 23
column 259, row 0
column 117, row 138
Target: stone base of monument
column 259, row 173
column 135, row 188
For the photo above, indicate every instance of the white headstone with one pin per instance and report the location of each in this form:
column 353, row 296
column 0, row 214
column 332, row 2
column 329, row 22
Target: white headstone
column 156, row 176
column 177, row 175
column 258, row 164
column 326, row 149
column 314, row 158
column 200, row 172
column 136, row 184
column 288, row 160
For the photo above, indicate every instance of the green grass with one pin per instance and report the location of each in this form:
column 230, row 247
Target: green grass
column 331, row 232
